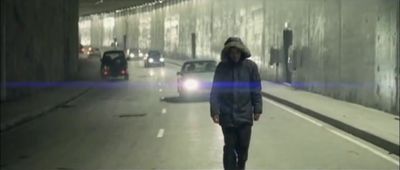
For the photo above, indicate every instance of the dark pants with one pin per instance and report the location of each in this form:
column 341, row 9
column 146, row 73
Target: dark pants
column 237, row 140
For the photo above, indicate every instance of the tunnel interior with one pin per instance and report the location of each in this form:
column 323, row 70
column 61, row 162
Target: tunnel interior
column 338, row 48
column 200, row 84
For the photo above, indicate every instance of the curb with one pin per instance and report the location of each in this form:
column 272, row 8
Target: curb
column 5, row 126
column 376, row 140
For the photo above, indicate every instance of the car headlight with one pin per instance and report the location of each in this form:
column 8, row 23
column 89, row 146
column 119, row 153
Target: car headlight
column 191, row 84
column 162, row 59
column 140, row 54
column 131, row 55
column 151, row 60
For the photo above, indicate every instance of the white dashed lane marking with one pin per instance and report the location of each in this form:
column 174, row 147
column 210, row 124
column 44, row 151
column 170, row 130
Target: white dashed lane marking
column 160, row 133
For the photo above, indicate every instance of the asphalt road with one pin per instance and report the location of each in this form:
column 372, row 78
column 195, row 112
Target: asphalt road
column 142, row 124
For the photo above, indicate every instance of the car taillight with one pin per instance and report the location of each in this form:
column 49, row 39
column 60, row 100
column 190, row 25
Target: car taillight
column 106, row 70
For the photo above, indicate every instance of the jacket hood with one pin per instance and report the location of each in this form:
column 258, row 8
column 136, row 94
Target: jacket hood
column 234, row 42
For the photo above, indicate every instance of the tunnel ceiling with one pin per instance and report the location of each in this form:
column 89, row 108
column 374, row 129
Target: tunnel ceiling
column 95, row 6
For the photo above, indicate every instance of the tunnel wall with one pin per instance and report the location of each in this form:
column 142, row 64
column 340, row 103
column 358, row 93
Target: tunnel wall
column 345, row 49
column 41, row 42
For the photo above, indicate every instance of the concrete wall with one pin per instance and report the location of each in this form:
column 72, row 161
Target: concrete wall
column 346, row 49
column 3, row 52
column 41, row 41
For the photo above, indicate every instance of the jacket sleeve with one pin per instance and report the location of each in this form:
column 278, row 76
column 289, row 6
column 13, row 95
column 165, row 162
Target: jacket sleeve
column 214, row 95
column 256, row 98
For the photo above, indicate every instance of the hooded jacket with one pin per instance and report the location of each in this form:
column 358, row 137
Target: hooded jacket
column 236, row 90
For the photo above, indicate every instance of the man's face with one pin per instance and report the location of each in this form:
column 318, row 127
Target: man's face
column 235, row 54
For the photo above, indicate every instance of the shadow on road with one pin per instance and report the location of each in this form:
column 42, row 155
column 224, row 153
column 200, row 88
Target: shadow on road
column 177, row 99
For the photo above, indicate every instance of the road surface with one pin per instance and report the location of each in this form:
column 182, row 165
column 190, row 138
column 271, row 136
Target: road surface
column 142, row 124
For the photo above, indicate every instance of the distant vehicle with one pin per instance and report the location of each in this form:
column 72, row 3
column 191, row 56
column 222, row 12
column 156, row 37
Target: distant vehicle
column 84, row 49
column 195, row 77
column 135, row 54
column 81, row 49
column 114, row 64
column 90, row 51
column 93, row 52
column 154, row 58
column 142, row 53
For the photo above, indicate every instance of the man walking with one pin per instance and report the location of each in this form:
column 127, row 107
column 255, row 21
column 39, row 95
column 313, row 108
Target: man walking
column 235, row 101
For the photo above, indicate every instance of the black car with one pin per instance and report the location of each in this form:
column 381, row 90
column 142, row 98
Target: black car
column 154, row 58
column 114, row 64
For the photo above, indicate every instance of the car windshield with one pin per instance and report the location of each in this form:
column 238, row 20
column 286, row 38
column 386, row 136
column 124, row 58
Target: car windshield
column 134, row 50
column 154, row 54
column 199, row 66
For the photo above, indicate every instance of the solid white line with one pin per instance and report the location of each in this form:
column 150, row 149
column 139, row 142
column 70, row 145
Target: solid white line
column 293, row 112
column 164, row 111
column 160, row 133
column 365, row 147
